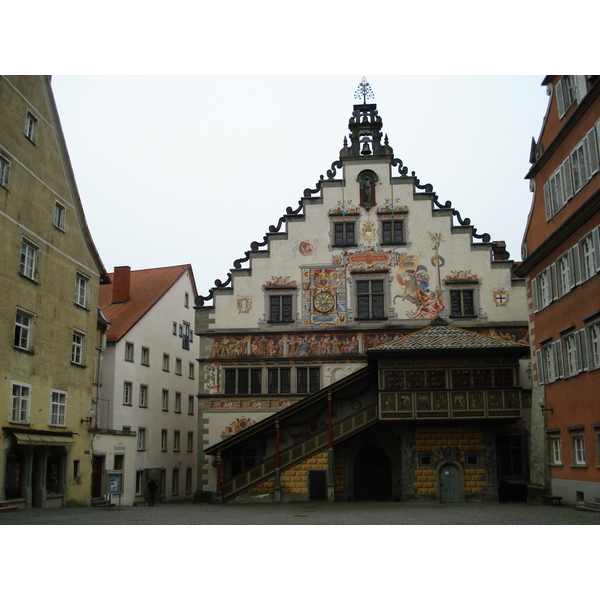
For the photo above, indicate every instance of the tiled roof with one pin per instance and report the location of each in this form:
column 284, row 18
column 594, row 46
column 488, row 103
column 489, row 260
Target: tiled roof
column 441, row 336
column 146, row 288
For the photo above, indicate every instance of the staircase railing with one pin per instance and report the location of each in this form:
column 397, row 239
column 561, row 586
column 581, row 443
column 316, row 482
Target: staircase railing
column 299, row 452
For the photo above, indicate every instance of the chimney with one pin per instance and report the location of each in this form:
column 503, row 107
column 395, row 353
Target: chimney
column 121, row 280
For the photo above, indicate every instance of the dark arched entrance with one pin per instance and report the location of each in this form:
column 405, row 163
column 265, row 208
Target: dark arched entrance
column 372, row 474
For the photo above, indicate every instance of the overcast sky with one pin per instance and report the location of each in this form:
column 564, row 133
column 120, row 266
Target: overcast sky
column 192, row 169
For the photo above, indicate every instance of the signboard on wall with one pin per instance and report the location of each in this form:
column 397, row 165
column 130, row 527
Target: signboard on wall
column 114, row 482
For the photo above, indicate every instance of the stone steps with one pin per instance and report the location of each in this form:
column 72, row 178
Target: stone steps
column 589, row 506
column 6, row 506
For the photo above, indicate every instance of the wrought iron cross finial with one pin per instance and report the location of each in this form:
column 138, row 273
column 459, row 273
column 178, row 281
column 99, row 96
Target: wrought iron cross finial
column 364, row 90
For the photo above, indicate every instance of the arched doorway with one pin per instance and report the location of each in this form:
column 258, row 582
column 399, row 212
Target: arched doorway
column 449, row 482
column 372, row 474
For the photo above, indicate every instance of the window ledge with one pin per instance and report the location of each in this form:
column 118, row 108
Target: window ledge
column 78, row 365
column 25, row 350
column 578, row 466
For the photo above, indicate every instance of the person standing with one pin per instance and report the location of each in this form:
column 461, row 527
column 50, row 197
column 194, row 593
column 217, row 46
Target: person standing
column 152, row 487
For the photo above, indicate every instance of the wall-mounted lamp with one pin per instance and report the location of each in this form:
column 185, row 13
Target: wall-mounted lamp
column 91, row 416
column 542, row 404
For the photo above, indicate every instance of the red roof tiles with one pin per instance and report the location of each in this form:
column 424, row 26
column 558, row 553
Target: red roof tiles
column 146, row 287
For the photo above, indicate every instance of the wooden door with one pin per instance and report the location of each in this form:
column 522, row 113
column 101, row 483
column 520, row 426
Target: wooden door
column 449, row 484
column 317, row 485
column 97, row 471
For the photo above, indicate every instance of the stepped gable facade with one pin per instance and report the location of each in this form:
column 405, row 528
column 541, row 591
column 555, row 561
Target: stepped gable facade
column 370, row 255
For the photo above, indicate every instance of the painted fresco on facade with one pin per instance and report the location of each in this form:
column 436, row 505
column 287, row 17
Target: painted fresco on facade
column 237, row 425
column 500, row 296
column 314, row 344
column 323, row 297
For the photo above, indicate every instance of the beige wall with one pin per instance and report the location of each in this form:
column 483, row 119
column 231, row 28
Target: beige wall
column 40, row 176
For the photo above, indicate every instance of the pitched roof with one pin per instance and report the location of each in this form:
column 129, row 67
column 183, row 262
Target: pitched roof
column 147, row 287
column 441, row 336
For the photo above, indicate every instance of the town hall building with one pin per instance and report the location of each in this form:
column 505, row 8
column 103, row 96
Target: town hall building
column 373, row 345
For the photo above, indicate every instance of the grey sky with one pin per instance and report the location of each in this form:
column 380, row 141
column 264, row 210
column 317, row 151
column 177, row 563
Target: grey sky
column 192, row 169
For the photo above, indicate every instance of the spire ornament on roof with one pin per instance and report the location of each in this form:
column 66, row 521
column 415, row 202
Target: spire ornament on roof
column 364, row 90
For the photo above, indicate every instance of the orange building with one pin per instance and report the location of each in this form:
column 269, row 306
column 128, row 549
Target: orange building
column 561, row 260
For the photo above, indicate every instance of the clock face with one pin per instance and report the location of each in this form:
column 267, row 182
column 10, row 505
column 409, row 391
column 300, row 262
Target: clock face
column 324, row 302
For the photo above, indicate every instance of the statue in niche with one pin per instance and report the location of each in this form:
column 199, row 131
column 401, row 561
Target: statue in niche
column 367, row 180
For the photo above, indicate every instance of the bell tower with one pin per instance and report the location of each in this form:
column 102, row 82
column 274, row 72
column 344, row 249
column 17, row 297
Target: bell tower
column 365, row 129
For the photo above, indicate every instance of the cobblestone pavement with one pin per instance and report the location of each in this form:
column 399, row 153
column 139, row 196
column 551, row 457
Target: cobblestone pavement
column 307, row 513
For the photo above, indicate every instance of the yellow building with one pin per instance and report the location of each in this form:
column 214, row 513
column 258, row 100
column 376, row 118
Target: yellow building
column 50, row 325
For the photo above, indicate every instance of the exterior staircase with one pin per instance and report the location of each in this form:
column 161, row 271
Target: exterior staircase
column 589, row 506
column 290, row 456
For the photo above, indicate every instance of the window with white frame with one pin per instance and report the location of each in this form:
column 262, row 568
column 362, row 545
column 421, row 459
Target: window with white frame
column 145, row 360
column 174, row 328
column 190, row 404
column 549, row 360
column 20, row 399
column 58, row 408
column 165, row 362
column 177, row 366
column 78, row 348
column 143, row 396
column 570, row 355
column 177, row 402
column 588, row 254
column 139, row 482
column 129, row 351
column 542, row 289
column 190, row 441
column 578, row 449
column 141, row 439
column 127, row 391
column 186, row 300
column 23, row 330
column 569, row 89
column 176, row 441
column 165, row 399
column 163, row 440
column 593, row 345
column 579, row 162
column 82, row 290
column 555, row 450
column 564, row 280
column 4, row 169
column 31, row 127
column 574, row 172
column 370, row 299
column 598, row 447
column 60, row 215
column 188, row 480
column 30, row 255
column 185, row 335
column 191, row 370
